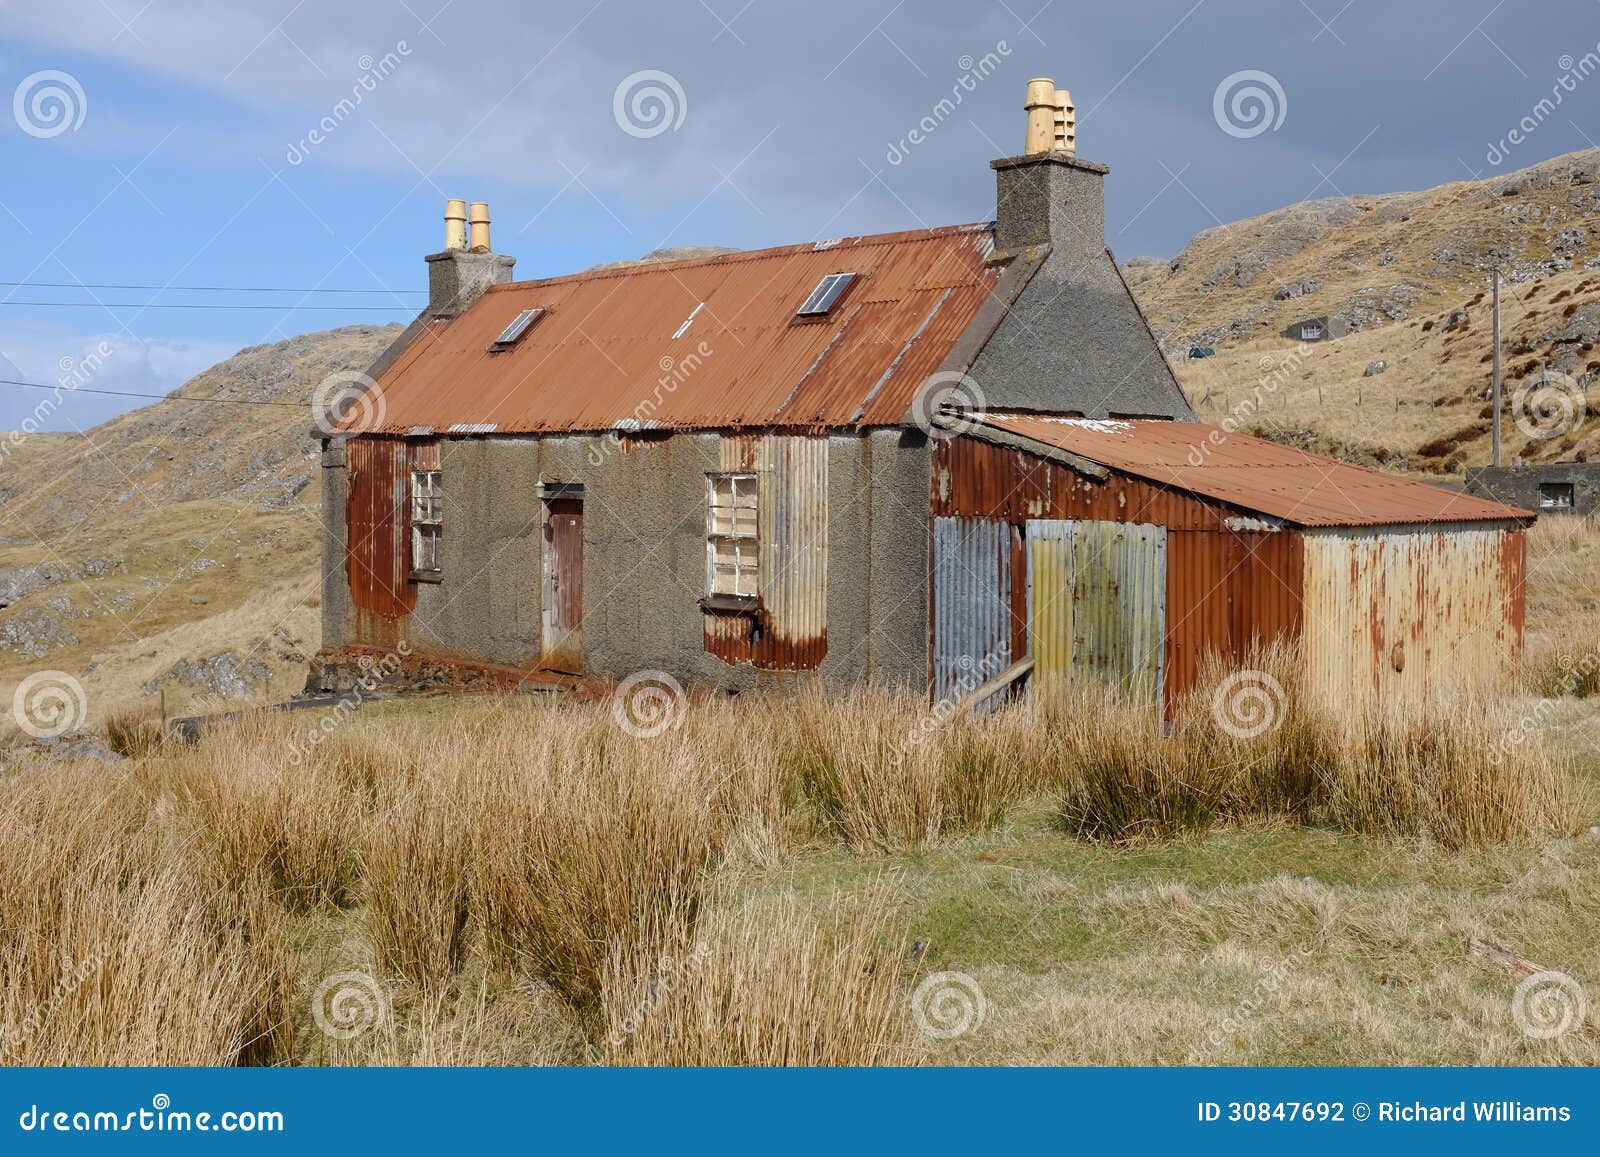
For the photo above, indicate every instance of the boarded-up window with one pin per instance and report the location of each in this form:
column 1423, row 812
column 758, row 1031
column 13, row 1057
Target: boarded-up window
column 427, row 521
column 731, row 535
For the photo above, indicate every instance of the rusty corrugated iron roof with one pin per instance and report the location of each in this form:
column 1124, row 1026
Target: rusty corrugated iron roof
column 614, row 351
column 1292, row 485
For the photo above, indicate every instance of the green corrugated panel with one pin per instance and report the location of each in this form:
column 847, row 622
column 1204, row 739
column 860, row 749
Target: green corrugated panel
column 1097, row 601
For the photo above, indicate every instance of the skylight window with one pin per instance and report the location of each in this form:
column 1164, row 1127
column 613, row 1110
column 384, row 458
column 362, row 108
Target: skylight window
column 826, row 295
column 520, row 325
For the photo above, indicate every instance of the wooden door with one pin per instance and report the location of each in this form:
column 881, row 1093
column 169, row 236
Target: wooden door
column 563, row 585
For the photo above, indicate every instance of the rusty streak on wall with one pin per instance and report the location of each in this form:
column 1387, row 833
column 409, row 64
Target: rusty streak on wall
column 378, row 557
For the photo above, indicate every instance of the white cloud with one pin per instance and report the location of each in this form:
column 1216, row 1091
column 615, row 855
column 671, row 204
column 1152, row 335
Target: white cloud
column 52, row 355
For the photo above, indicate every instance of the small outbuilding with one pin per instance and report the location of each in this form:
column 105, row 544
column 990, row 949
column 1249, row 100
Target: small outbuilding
column 1545, row 487
column 1323, row 328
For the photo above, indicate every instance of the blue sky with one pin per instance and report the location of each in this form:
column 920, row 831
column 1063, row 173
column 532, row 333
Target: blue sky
column 185, row 155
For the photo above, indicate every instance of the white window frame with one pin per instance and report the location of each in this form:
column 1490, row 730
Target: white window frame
column 1551, row 495
column 733, row 517
column 427, row 521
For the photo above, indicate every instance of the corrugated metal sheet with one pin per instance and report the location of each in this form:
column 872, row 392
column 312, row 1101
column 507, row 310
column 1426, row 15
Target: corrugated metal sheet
column 971, row 604
column 1228, row 591
column 1253, row 474
column 972, row 477
column 791, row 629
column 606, row 353
column 1404, row 614
column 1097, row 594
column 377, row 554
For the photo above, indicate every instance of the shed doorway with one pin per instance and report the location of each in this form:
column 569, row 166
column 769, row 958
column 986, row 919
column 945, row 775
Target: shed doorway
column 562, row 641
column 1097, row 600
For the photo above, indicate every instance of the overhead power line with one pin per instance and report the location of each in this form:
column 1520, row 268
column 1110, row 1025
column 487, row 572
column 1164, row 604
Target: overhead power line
column 196, row 288
column 157, row 397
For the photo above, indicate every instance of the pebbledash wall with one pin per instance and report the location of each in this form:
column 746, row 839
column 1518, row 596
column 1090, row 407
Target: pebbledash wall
column 643, row 554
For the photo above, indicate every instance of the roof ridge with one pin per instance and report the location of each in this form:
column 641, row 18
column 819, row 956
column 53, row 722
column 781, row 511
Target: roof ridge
column 643, row 266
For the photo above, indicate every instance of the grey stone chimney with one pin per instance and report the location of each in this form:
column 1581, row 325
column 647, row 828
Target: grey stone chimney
column 460, row 275
column 1054, row 197
column 1048, row 194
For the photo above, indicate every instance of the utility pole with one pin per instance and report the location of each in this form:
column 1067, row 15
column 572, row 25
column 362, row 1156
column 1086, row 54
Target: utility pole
column 1497, row 365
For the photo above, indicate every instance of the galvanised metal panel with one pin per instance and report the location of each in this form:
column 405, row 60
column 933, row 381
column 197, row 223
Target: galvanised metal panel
column 1097, row 602
column 1052, row 579
column 971, row 604
column 792, row 545
column 1401, row 615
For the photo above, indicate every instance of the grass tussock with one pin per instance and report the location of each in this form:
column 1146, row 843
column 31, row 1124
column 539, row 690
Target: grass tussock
column 765, row 982
column 135, row 734
column 598, row 840
column 1250, row 745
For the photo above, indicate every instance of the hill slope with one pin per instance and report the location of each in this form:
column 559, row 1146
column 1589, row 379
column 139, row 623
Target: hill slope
column 176, row 549
column 1407, row 273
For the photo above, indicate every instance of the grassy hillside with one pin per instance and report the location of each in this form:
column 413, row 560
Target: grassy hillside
column 1408, row 274
column 176, row 547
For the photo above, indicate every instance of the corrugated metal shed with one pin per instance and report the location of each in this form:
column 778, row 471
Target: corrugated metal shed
column 1400, row 615
column 618, row 347
column 1298, row 487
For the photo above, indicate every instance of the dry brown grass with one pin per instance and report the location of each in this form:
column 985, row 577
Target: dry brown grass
column 1249, row 746
column 510, row 875
column 765, row 982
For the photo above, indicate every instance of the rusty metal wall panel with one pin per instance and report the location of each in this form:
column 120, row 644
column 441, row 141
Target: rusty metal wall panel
column 977, row 479
column 790, row 632
column 1400, row 615
column 377, row 551
column 1097, row 599
column 1226, row 592
column 1253, row 474
column 971, row 604
column 606, row 353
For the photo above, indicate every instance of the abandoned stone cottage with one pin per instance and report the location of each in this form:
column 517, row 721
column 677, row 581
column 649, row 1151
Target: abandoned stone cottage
column 923, row 458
